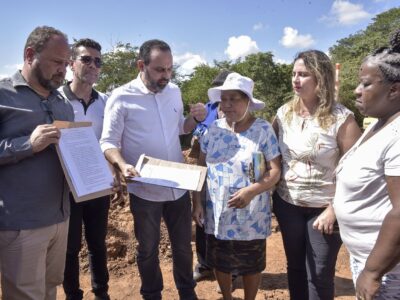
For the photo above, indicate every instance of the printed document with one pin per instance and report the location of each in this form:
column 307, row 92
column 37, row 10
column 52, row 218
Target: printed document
column 169, row 174
column 84, row 163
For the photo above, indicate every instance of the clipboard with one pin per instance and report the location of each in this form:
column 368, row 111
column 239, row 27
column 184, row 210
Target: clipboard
column 78, row 184
column 169, row 174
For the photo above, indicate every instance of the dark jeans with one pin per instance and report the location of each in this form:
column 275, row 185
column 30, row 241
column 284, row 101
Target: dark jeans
column 93, row 215
column 311, row 255
column 147, row 220
column 201, row 249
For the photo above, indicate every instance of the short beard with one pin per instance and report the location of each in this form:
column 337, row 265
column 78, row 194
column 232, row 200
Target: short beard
column 152, row 85
column 83, row 78
column 48, row 84
column 155, row 87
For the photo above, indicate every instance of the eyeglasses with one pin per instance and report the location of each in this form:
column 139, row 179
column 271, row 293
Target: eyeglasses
column 87, row 60
column 45, row 105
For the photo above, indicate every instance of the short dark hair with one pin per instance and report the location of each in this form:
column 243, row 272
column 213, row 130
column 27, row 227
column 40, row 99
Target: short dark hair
column 86, row 42
column 145, row 49
column 39, row 37
column 220, row 78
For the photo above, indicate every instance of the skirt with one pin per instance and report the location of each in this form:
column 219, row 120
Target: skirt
column 240, row 257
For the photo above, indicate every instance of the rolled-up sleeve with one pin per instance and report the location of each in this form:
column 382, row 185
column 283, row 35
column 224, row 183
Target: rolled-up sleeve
column 178, row 99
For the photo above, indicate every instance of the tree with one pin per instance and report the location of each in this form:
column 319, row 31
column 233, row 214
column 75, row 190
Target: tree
column 195, row 88
column 272, row 81
column 350, row 52
column 118, row 67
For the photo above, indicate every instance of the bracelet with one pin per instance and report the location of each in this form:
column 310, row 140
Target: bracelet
column 197, row 121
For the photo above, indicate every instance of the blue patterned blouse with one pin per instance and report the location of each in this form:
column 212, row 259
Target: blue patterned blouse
column 228, row 158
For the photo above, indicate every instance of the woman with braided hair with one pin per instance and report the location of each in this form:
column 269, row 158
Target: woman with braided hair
column 367, row 198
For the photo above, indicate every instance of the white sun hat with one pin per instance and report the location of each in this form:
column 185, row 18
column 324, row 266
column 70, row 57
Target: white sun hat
column 235, row 81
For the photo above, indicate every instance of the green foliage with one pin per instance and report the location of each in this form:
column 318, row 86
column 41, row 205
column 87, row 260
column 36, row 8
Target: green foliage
column 119, row 67
column 195, row 88
column 350, row 52
column 272, row 81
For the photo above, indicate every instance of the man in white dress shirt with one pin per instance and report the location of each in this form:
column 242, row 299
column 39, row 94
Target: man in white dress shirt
column 146, row 116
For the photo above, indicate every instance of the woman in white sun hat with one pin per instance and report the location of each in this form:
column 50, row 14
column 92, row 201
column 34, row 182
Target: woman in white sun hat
column 237, row 213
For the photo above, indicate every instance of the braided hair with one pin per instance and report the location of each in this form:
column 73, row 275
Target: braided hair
column 388, row 59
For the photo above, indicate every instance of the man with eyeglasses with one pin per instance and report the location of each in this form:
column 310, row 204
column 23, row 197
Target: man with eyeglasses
column 146, row 116
column 89, row 106
column 34, row 205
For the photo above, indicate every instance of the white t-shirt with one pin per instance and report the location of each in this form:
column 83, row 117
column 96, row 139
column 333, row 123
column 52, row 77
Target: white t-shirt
column 309, row 157
column 361, row 200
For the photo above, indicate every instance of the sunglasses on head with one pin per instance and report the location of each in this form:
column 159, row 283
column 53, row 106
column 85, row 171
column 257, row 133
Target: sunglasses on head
column 87, row 60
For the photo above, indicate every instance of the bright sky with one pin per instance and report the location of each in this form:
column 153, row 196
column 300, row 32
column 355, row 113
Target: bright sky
column 199, row 31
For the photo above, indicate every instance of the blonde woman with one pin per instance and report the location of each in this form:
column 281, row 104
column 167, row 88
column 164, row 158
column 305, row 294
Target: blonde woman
column 313, row 132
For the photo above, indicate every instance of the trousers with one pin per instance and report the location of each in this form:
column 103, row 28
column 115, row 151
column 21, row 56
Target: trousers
column 32, row 262
column 147, row 220
column 311, row 255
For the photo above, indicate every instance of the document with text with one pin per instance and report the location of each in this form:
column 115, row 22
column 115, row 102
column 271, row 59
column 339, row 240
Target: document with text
column 84, row 164
column 169, row 174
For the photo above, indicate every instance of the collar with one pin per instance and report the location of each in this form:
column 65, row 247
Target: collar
column 213, row 105
column 18, row 80
column 141, row 86
column 71, row 96
column 143, row 89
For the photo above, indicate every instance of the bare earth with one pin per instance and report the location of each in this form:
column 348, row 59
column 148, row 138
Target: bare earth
column 125, row 281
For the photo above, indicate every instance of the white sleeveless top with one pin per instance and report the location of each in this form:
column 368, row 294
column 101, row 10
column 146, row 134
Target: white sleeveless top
column 309, row 158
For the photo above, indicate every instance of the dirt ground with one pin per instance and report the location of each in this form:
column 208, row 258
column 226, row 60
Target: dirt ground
column 125, row 281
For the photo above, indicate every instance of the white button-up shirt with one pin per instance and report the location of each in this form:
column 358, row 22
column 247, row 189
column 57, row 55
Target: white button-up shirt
column 139, row 121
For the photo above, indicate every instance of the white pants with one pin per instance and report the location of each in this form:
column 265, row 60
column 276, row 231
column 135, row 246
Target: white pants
column 390, row 286
column 32, row 262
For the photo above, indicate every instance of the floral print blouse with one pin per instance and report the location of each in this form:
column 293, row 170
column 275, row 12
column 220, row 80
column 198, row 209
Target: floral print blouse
column 229, row 160
column 309, row 158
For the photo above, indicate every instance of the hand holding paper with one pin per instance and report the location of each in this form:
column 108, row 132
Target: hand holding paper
column 44, row 135
column 169, row 174
column 129, row 171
